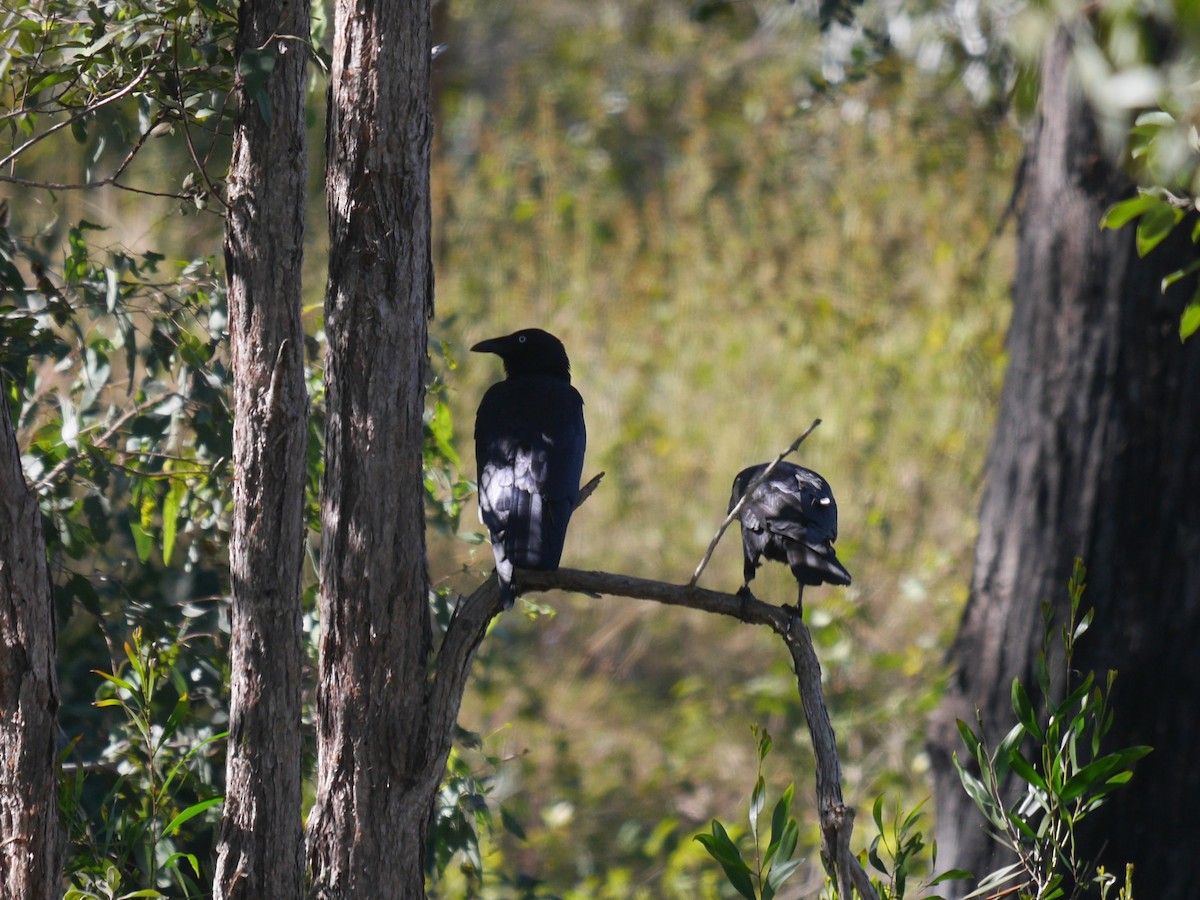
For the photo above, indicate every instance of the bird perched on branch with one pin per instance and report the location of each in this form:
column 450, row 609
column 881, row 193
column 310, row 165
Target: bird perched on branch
column 529, row 443
column 791, row 517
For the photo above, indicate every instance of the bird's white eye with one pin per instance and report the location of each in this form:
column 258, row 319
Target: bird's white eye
column 521, row 339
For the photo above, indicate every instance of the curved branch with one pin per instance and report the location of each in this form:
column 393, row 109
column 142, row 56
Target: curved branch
column 474, row 613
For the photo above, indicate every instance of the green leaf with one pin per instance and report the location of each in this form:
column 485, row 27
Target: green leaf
column 143, row 541
column 1081, row 627
column 255, row 68
column 1179, row 274
column 1096, row 773
column 1155, row 225
column 764, row 744
column 1010, row 742
column 190, row 813
column 788, row 841
column 119, row 682
column 1022, row 767
column 1120, row 214
column 779, row 817
column 170, row 515
column 781, row 873
column 190, row 857
column 721, row 848
column 83, row 590
column 49, row 80
column 968, row 736
column 178, row 714
column 758, row 799
column 1024, row 710
column 1156, row 117
column 1189, row 322
column 873, row 856
column 978, row 792
column 511, row 825
column 1021, row 825
column 912, row 818
column 952, row 875
column 998, row 877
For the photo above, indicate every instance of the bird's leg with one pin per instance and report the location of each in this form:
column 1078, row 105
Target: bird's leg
column 800, row 600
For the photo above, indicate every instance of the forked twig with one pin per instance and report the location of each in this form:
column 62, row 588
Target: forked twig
column 737, row 507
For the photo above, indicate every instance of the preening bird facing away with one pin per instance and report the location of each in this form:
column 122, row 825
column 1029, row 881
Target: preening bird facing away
column 790, row 518
column 529, row 444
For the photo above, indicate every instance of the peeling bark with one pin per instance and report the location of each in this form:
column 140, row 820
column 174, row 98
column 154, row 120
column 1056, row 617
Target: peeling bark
column 260, row 852
column 376, row 780
column 31, row 844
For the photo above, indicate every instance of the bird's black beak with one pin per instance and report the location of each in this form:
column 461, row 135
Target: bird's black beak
column 492, row 345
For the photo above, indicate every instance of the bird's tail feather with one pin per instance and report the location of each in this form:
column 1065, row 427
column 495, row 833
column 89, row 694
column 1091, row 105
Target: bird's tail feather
column 816, row 565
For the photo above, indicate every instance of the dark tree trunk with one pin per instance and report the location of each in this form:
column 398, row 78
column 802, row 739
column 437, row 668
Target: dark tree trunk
column 376, row 773
column 261, row 849
column 1094, row 455
column 31, row 847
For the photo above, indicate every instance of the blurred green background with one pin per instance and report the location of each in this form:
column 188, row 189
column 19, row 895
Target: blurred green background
column 735, row 228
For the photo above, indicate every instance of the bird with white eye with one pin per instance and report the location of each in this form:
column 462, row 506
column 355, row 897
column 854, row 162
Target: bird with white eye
column 530, row 439
column 790, row 517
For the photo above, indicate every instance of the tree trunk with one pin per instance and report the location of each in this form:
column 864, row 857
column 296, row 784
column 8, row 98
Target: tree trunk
column 31, row 846
column 261, row 848
column 376, row 773
column 1094, row 455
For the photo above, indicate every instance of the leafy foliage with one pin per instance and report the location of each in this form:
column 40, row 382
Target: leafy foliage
column 1132, row 70
column 118, row 74
column 906, row 851
column 759, row 877
column 461, row 814
column 669, row 185
column 1158, row 213
column 159, row 781
column 1067, row 775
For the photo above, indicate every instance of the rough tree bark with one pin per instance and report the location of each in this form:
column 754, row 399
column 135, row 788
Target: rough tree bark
column 261, row 848
column 376, row 780
column 31, row 848
column 1094, row 455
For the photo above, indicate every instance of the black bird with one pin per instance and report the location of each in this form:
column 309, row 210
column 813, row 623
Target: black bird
column 529, row 444
column 791, row 517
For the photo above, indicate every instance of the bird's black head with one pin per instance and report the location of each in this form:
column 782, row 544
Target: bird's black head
column 529, row 352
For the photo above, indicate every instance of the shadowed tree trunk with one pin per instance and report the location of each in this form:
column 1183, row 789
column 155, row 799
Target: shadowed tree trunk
column 376, row 778
column 261, row 849
column 31, row 848
column 1095, row 454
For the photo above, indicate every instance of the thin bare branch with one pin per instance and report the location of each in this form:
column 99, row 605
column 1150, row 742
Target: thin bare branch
column 795, row 445
column 187, row 132
column 87, row 111
column 110, row 181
